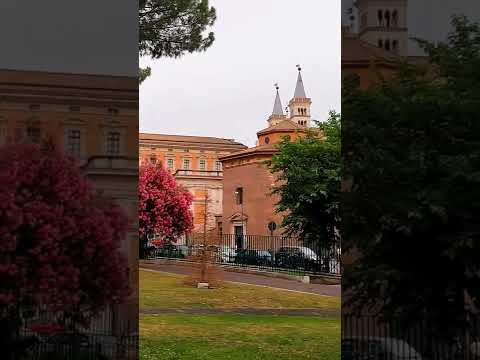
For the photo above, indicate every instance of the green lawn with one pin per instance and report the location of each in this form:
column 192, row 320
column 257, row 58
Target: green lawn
column 229, row 336
column 238, row 337
column 168, row 291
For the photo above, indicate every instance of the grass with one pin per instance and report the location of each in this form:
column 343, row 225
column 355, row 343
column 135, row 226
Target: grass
column 238, row 337
column 168, row 291
column 230, row 336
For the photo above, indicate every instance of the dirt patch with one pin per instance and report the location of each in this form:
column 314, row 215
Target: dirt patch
column 243, row 311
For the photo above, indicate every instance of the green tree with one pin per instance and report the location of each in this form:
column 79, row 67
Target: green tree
column 170, row 28
column 411, row 150
column 308, row 183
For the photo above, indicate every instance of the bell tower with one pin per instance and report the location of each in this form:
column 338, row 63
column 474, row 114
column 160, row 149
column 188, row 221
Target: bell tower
column 383, row 23
column 300, row 104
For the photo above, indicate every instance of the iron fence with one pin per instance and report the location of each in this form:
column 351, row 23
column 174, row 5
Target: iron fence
column 49, row 335
column 367, row 337
column 272, row 253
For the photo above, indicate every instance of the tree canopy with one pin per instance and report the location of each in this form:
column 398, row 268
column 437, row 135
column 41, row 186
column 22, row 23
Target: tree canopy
column 60, row 242
column 308, row 183
column 411, row 151
column 171, row 28
column 164, row 205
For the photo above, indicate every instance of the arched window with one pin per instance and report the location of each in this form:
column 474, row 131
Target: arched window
column 380, row 17
column 387, row 45
column 395, row 18
column 380, row 43
column 387, row 18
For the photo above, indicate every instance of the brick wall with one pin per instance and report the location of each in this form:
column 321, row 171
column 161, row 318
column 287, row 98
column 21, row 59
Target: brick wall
column 258, row 205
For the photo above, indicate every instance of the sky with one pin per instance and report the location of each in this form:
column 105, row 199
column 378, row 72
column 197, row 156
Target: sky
column 70, row 36
column 228, row 91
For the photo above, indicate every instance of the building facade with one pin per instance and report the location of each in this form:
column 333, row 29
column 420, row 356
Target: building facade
column 248, row 205
column 194, row 161
column 92, row 117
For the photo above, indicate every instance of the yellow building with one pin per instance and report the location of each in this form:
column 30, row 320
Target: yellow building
column 92, row 117
column 194, row 161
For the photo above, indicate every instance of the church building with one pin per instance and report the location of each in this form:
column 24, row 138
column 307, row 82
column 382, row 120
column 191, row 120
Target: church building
column 248, row 206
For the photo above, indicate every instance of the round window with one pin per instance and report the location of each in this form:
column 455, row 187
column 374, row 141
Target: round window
column 267, row 140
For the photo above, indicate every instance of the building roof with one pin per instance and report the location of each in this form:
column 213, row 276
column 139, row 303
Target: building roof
column 257, row 150
column 283, row 126
column 29, row 78
column 299, row 88
column 41, row 87
column 277, row 107
column 188, row 139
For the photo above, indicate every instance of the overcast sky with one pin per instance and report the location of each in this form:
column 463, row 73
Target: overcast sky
column 228, row 90
column 72, row 36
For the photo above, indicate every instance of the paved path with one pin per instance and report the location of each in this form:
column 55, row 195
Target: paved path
column 242, row 311
column 252, row 279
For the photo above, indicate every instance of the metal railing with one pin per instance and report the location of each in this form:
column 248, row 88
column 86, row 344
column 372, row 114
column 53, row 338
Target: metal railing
column 367, row 337
column 272, row 253
column 49, row 335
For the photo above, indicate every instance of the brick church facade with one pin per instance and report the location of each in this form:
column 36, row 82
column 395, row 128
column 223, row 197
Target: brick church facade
column 248, row 206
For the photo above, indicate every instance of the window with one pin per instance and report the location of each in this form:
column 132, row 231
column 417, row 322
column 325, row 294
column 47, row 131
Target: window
column 395, row 45
column 267, row 140
column 170, row 164
column 239, row 195
column 387, row 45
column 395, row 18
column 33, row 134
column 73, row 142
column 202, row 164
column 380, row 43
column 186, row 164
column 387, row 18
column 218, row 166
column 153, row 159
column 380, row 17
column 113, row 143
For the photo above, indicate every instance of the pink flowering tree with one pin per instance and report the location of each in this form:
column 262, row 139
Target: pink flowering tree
column 164, row 205
column 59, row 241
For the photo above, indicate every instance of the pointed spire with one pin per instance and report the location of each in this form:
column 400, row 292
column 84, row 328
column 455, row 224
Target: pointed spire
column 277, row 108
column 299, row 89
